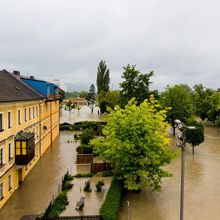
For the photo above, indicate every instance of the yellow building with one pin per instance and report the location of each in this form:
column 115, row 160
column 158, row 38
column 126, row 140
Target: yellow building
column 29, row 123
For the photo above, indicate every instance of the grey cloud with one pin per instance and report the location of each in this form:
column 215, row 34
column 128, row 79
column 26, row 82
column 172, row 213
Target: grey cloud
column 66, row 39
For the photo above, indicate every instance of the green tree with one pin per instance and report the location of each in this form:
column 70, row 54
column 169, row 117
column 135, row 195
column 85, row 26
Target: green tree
column 103, row 79
column 179, row 99
column 195, row 136
column 91, row 98
column 214, row 110
column 135, row 84
column 108, row 99
column 83, row 94
column 69, row 106
column 202, row 100
column 136, row 141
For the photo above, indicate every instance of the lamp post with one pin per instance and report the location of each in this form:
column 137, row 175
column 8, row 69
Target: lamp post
column 182, row 144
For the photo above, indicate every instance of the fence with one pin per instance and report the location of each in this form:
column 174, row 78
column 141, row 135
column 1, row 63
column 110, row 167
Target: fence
column 84, row 158
column 98, row 167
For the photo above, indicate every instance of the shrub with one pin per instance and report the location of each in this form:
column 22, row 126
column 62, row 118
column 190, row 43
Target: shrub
column 110, row 207
column 105, row 173
column 59, row 205
column 68, row 177
column 99, row 185
column 87, row 187
column 217, row 122
column 83, row 175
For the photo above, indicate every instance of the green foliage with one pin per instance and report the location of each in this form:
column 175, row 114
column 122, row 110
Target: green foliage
column 136, row 141
column 103, row 79
column 105, row 173
column 68, row 177
column 135, row 85
column 83, row 175
column 83, row 94
column 110, row 207
column 202, row 101
column 179, row 99
column 195, row 136
column 69, row 106
column 96, row 126
column 87, row 135
column 99, row 185
column 217, row 122
column 59, row 205
column 87, row 187
column 108, row 99
column 91, row 95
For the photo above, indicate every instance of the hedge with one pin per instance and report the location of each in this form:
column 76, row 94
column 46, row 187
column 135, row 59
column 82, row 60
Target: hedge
column 110, row 207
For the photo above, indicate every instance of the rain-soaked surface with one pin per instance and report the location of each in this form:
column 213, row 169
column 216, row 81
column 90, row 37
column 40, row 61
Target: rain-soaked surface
column 202, row 182
column 37, row 190
column 202, row 187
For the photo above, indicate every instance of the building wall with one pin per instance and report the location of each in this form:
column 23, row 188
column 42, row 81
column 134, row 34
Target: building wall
column 42, row 118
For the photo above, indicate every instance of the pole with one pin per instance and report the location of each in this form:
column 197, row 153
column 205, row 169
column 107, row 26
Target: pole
column 182, row 183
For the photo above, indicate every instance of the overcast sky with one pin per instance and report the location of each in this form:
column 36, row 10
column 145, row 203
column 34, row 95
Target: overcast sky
column 66, row 39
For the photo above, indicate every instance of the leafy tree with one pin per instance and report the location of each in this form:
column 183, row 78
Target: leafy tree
column 83, row 94
column 103, row 79
column 69, row 106
column 195, row 136
column 91, row 97
column 135, row 84
column 214, row 110
column 179, row 99
column 202, row 100
column 136, row 141
column 108, row 99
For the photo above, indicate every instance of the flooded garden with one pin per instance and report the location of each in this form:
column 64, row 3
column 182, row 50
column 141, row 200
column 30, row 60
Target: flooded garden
column 202, row 191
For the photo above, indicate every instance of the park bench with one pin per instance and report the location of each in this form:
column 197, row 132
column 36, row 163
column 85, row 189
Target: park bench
column 80, row 204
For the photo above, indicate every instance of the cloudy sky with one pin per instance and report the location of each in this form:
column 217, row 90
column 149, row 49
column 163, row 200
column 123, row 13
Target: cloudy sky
column 66, row 39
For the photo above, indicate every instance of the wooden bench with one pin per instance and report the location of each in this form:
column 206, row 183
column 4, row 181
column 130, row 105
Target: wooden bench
column 80, row 204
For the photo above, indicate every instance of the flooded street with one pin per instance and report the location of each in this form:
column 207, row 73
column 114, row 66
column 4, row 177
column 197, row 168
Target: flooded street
column 202, row 189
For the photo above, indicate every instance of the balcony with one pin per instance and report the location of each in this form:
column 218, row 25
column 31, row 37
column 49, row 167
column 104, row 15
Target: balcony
column 24, row 148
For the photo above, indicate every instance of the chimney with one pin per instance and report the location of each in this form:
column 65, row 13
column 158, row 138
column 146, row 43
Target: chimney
column 17, row 73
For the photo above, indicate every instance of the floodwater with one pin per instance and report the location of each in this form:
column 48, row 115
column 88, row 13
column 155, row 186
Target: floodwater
column 202, row 187
column 83, row 115
column 42, row 184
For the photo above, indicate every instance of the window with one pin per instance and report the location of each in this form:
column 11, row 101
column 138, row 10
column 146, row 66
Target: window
column 1, row 157
column 9, row 182
column 36, row 111
column 33, row 112
column 30, row 113
column 1, row 122
column 25, row 114
column 9, row 119
column 9, row 151
column 1, row 191
column 19, row 116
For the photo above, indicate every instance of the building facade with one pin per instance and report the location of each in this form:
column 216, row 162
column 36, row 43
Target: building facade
column 29, row 123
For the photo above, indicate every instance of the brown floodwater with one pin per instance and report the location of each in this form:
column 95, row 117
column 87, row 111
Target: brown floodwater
column 202, row 187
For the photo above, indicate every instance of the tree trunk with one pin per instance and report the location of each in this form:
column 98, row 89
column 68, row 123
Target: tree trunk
column 193, row 149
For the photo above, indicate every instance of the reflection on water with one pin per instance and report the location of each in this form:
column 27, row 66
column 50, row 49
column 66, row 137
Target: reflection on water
column 202, row 190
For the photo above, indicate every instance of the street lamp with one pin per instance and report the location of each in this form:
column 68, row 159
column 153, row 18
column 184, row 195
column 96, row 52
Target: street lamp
column 182, row 143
